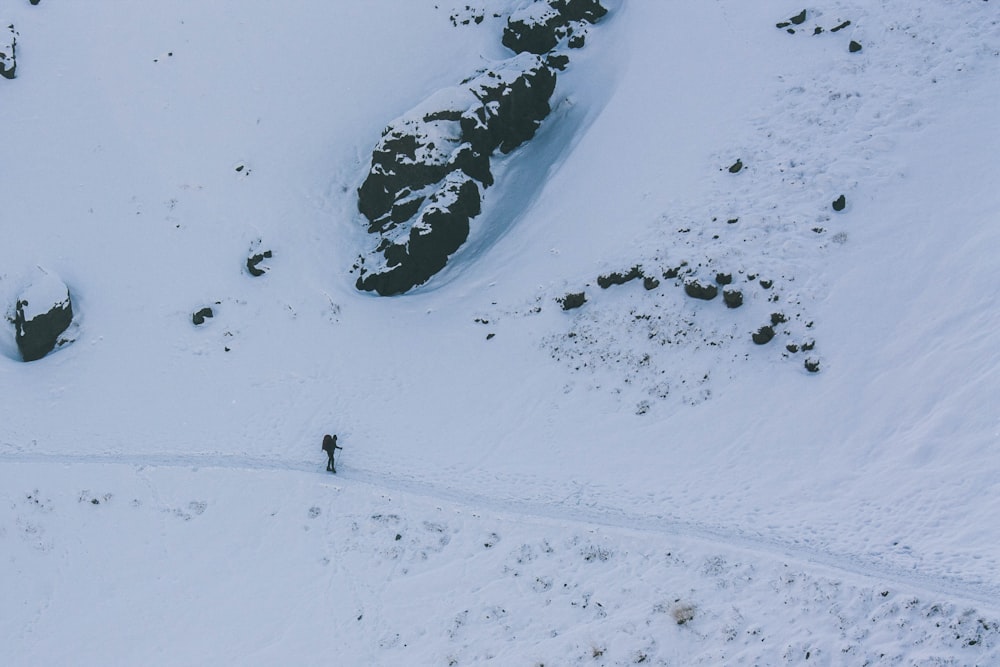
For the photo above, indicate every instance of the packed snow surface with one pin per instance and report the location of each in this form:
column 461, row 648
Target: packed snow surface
column 634, row 481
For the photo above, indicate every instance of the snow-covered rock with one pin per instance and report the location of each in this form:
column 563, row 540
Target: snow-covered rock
column 44, row 311
column 542, row 25
column 8, row 55
column 421, row 189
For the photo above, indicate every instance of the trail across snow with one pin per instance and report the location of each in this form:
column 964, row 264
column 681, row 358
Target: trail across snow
column 581, row 510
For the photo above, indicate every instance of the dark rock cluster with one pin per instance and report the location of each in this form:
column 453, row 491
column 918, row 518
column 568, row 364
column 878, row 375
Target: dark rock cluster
column 429, row 169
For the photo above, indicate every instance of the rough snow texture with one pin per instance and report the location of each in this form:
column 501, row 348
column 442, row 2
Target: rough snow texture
column 663, row 491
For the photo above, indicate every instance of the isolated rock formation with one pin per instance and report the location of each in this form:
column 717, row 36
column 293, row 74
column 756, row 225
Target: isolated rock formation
column 427, row 171
column 44, row 311
column 431, row 166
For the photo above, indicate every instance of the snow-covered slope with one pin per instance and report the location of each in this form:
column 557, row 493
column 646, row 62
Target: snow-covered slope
column 635, row 480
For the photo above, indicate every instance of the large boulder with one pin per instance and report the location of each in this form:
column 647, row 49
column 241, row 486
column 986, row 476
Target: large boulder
column 43, row 313
column 431, row 165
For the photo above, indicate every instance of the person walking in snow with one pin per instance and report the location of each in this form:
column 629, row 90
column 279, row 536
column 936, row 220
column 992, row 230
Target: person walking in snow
column 330, row 446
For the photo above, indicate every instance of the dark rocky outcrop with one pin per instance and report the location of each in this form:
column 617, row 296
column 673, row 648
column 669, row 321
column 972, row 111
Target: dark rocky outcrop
column 839, row 203
column 854, row 47
column 732, row 297
column 455, row 130
column 430, row 168
column 420, row 250
column 542, row 25
column 43, row 313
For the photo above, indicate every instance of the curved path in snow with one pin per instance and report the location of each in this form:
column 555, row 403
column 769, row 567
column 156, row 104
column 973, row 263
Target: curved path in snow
column 985, row 594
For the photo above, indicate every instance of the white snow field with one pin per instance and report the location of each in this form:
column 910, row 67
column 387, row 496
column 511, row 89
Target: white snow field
column 634, row 481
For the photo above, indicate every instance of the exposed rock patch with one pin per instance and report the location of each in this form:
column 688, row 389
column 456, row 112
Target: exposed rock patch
column 616, row 278
column 697, row 290
column 254, row 263
column 198, row 318
column 573, row 300
column 542, row 25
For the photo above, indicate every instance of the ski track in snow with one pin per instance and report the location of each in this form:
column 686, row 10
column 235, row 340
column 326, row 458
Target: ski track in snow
column 984, row 594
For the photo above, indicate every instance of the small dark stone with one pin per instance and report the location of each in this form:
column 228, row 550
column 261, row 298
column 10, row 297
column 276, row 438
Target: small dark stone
column 808, row 345
column 783, row 25
column 778, row 318
column 254, row 260
column 573, row 300
column 840, row 27
column 650, row 283
column 839, row 203
column 792, row 347
column 670, row 274
column 696, row 290
column 854, row 47
column 736, row 167
column 490, row 336
column 799, row 18
column 812, row 365
column 817, row 30
column 557, row 61
column 199, row 317
column 732, row 221
column 732, row 297
column 724, row 278
column 763, row 335
column 766, row 284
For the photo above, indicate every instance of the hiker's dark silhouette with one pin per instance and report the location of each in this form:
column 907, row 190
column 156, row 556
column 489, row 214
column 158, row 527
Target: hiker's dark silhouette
column 330, row 446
